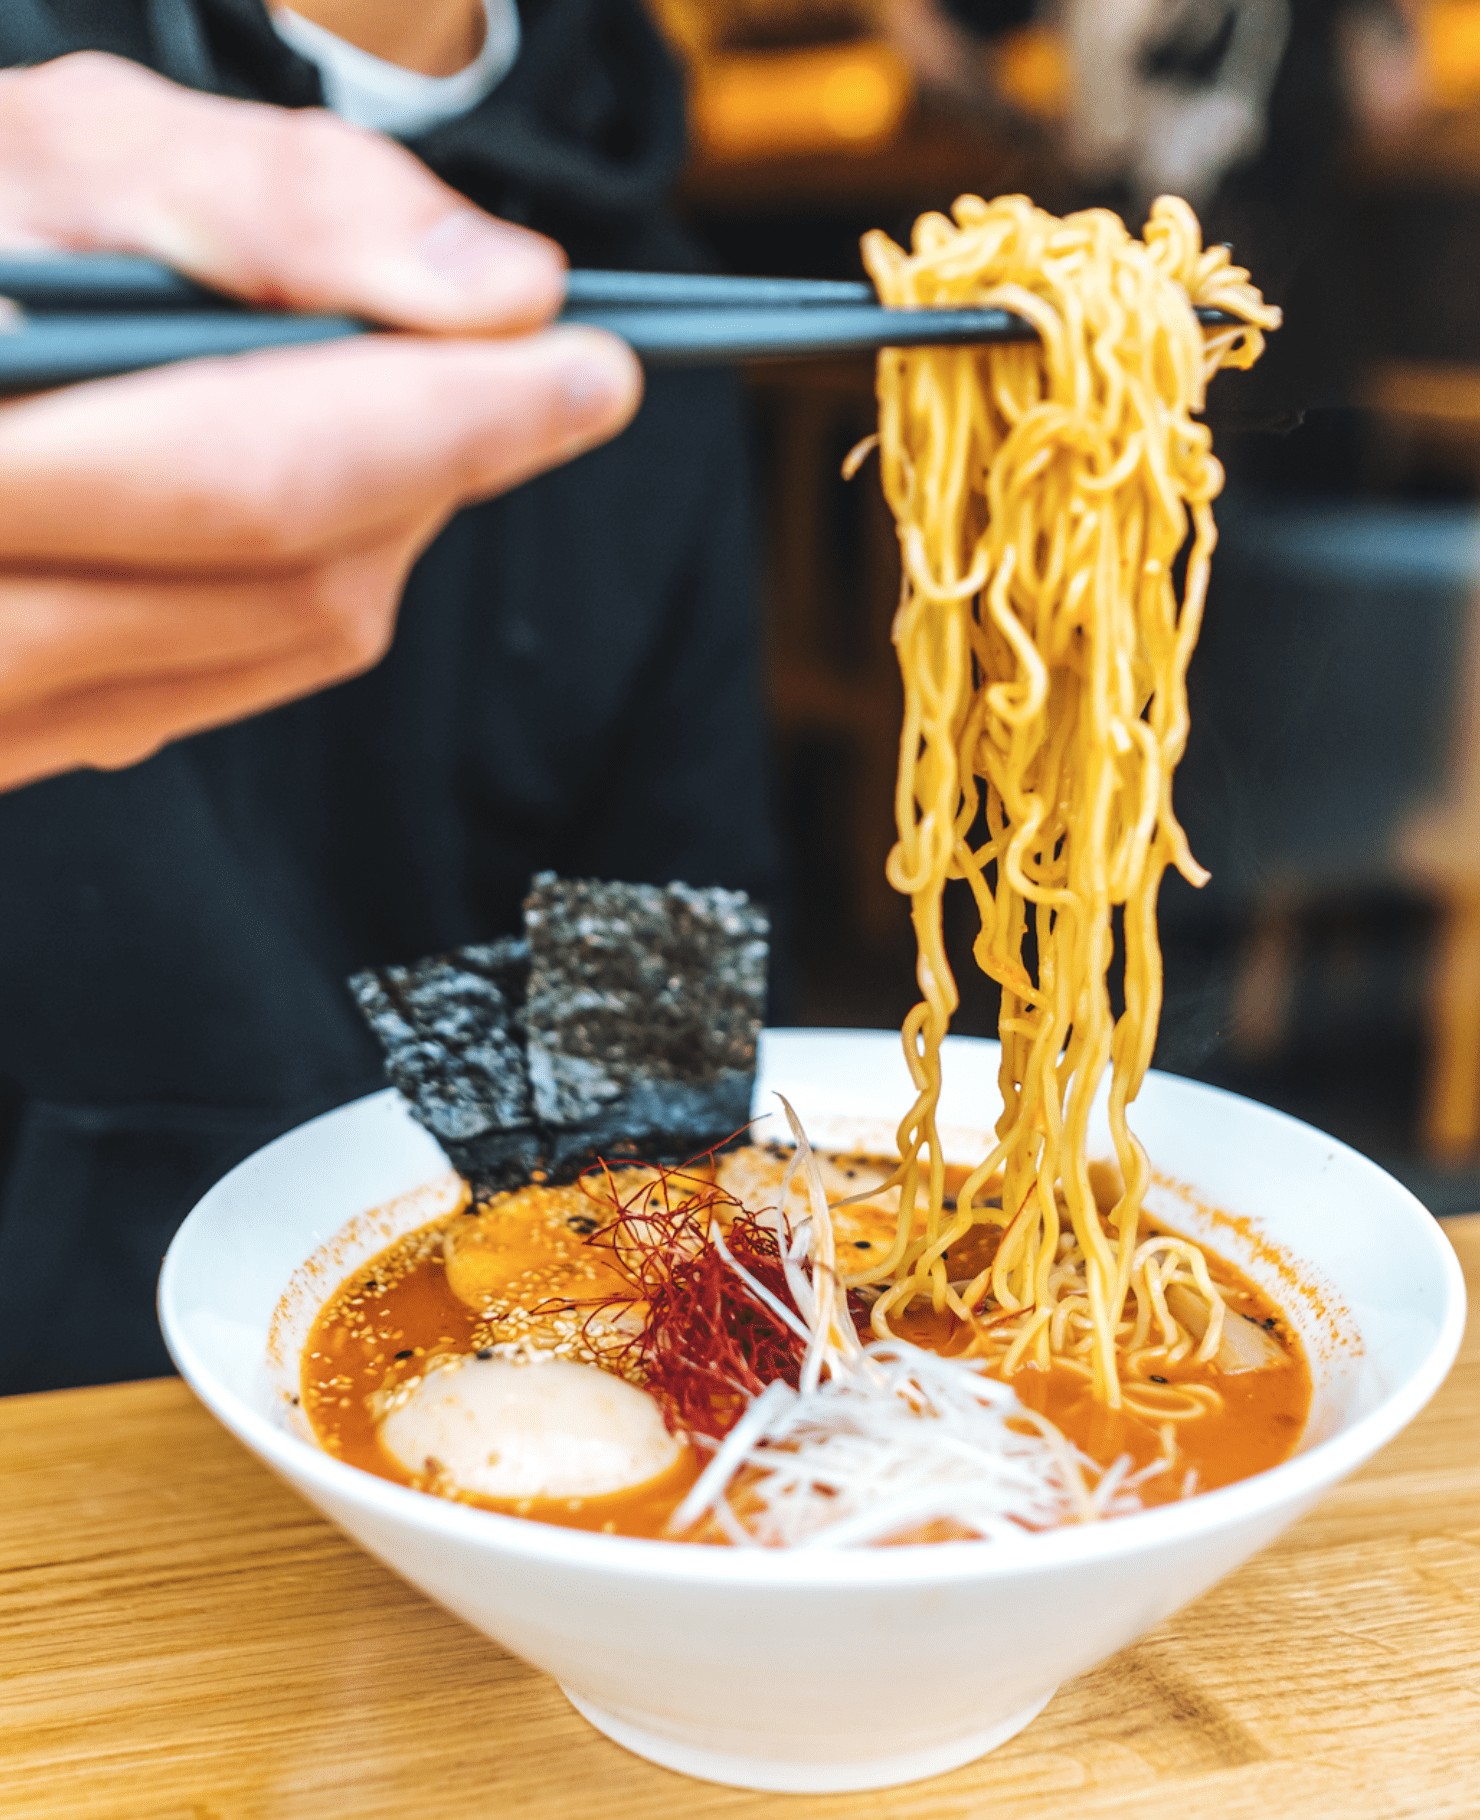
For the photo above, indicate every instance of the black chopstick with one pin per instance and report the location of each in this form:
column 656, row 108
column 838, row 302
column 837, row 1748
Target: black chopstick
column 687, row 337
column 91, row 316
column 59, row 350
column 706, row 290
column 76, row 283
column 54, row 351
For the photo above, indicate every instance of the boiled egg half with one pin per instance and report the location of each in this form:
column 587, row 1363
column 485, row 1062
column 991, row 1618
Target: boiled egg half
column 542, row 1428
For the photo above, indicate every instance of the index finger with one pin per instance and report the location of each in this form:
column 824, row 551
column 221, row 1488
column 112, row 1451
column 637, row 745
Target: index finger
column 288, row 456
column 283, row 207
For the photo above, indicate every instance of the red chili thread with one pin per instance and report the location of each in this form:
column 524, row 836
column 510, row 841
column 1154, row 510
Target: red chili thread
column 706, row 1344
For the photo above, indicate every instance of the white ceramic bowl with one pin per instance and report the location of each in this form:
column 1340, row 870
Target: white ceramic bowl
column 862, row 1668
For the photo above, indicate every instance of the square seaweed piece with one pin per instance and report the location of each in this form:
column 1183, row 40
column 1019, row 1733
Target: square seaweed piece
column 643, row 1009
column 453, row 1035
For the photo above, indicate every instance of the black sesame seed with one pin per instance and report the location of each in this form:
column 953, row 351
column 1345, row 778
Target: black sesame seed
column 1157, row 1380
column 407, row 1353
column 864, row 1244
column 485, row 1352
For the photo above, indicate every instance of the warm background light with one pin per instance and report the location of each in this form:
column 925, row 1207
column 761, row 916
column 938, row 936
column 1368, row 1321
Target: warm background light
column 1032, row 70
column 1449, row 31
column 777, row 104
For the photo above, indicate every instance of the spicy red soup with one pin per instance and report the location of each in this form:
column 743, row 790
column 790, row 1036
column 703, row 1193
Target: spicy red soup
column 536, row 1268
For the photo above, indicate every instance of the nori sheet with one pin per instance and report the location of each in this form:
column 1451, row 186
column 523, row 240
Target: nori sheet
column 624, row 1025
column 643, row 1010
column 453, row 1033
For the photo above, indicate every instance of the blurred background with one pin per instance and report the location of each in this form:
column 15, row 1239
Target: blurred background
column 1332, row 782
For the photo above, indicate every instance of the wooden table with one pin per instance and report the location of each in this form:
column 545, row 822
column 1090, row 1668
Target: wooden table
column 182, row 1639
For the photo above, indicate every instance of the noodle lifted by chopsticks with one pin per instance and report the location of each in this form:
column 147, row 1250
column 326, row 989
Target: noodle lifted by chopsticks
column 1042, row 494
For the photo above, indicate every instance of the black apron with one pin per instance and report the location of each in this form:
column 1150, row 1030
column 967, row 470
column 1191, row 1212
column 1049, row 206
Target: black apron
column 574, row 685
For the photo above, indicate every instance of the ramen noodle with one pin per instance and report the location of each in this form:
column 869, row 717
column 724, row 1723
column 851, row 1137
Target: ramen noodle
column 1043, row 492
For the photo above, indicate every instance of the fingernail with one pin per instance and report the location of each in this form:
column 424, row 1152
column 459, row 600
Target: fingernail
column 602, row 380
column 487, row 256
column 466, row 238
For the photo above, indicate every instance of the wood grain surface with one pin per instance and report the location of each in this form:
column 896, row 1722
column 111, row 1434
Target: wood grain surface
column 182, row 1639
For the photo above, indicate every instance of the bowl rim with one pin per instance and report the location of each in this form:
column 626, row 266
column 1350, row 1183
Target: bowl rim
column 1295, row 1482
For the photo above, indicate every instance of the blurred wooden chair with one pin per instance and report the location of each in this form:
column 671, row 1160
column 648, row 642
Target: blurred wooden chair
column 1427, row 411
column 1343, row 652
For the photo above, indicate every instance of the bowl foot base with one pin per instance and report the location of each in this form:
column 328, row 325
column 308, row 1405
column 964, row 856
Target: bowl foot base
column 781, row 1776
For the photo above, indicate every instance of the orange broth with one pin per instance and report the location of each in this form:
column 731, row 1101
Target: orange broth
column 398, row 1312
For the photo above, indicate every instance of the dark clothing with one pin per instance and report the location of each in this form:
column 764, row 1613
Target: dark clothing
column 989, row 17
column 574, row 685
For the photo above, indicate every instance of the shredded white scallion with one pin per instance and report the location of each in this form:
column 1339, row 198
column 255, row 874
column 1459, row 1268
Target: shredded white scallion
column 894, row 1440
column 895, row 1443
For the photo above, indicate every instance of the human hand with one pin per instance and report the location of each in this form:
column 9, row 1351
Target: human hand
column 187, row 546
